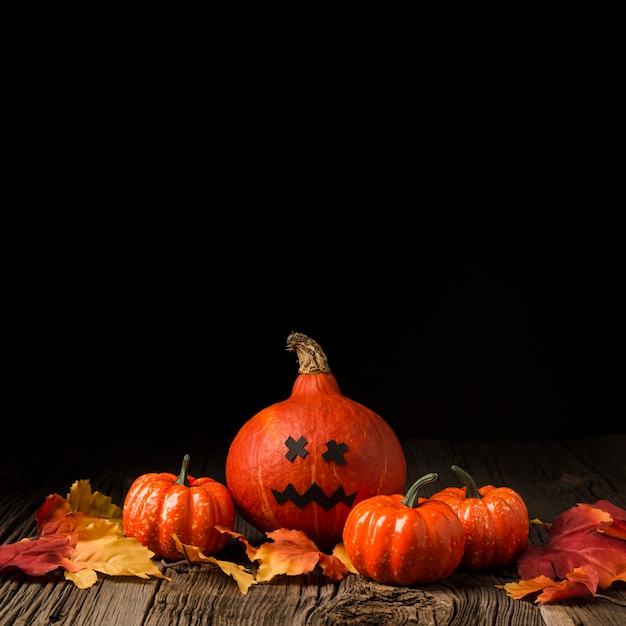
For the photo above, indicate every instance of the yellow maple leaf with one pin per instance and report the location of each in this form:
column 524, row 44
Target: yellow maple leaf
column 101, row 548
column 83, row 578
column 243, row 578
column 522, row 588
column 80, row 498
column 238, row 572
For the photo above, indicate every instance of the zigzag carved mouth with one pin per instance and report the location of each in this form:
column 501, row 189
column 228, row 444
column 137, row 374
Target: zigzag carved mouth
column 314, row 494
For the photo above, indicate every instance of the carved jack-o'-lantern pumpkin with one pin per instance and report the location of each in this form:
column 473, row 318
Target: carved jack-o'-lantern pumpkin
column 303, row 463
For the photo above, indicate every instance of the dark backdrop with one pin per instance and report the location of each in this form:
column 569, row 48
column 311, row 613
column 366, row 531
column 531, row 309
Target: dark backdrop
column 450, row 236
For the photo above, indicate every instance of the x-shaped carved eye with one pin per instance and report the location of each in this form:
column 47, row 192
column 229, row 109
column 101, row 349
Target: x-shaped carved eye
column 334, row 453
column 296, row 448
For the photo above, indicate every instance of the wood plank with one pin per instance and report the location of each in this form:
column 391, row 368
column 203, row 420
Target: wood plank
column 52, row 600
column 589, row 611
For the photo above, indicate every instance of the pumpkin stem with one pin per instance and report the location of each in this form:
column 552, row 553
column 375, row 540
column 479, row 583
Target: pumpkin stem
column 311, row 357
column 182, row 477
column 411, row 498
column 471, row 490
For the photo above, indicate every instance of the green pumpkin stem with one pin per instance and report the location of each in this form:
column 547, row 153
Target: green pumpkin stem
column 311, row 357
column 411, row 497
column 182, row 477
column 471, row 490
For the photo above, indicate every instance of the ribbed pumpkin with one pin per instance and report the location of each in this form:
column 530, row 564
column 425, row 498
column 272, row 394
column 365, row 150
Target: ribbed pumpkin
column 159, row 505
column 495, row 520
column 403, row 540
column 304, row 462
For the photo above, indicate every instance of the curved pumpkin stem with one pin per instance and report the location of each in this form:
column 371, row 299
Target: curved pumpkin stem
column 411, row 498
column 182, row 477
column 471, row 490
column 311, row 357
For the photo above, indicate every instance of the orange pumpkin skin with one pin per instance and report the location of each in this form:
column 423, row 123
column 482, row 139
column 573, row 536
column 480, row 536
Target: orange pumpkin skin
column 304, row 462
column 156, row 506
column 495, row 520
column 395, row 543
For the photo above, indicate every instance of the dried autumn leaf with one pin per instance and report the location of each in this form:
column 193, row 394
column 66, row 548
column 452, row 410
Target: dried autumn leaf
column 60, row 515
column 96, row 504
column 101, row 548
column 243, row 578
column 291, row 552
column 238, row 572
column 340, row 552
column 617, row 529
column 538, row 522
column 39, row 556
column 580, row 555
column 522, row 588
column 333, row 567
column 250, row 549
column 580, row 582
column 95, row 544
column 574, row 540
column 54, row 517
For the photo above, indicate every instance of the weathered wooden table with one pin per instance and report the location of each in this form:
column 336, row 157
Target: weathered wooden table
column 551, row 475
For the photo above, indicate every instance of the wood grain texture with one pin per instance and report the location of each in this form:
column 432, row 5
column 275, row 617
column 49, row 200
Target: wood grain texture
column 551, row 476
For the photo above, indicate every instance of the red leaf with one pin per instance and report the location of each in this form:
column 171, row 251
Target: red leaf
column 585, row 550
column 39, row 556
column 52, row 516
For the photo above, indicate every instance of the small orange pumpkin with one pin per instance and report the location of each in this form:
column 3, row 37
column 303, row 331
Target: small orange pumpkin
column 495, row 520
column 403, row 540
column 304, row 462
column 158, row 505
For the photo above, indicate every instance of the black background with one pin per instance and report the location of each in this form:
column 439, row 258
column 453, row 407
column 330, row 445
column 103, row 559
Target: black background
column 449, row 233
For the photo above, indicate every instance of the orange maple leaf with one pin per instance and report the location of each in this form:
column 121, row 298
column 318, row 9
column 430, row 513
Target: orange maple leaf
column 289, row 552
column 579, row 582
column 292, row 553
column 615, row 529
